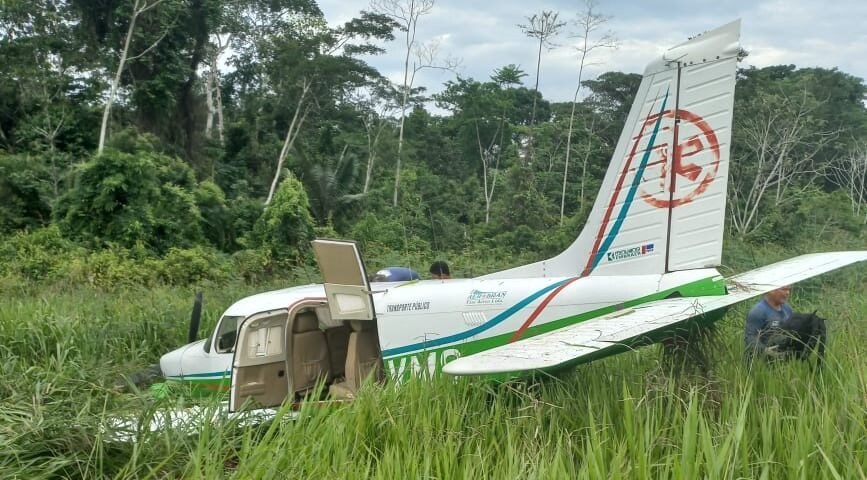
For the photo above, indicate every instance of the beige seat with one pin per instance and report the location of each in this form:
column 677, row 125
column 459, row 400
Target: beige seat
column 310, row 359
column 362, row 359
column 337, row 339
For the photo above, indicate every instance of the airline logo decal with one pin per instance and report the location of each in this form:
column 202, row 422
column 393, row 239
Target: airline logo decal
column 631, row 252
column 479, row 297
column 699, row 138
column 498, row 319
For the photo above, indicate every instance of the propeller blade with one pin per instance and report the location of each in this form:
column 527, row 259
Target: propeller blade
column 195, row 319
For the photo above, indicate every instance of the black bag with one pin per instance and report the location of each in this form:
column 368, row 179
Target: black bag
column 800, row 335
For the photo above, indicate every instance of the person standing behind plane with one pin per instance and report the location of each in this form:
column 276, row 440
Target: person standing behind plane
column 771, row 313
column 439, row 270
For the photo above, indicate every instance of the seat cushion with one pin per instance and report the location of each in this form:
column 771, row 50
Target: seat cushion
column 362, row 359
column 310, row 359
column 305, row 322
column 337, row 339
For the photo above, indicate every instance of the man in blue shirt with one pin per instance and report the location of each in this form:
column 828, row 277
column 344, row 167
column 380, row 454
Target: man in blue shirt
column 767, row 316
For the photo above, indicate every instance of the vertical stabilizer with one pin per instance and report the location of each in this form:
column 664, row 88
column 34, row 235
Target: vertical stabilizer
column 661, row 205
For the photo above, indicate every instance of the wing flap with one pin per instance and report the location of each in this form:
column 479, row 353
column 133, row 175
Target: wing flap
column 570, row 344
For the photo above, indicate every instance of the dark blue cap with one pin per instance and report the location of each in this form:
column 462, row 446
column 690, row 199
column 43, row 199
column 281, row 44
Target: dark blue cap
column 395, row 274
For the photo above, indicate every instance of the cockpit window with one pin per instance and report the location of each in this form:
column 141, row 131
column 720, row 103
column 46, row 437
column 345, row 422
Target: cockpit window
column 227, row 333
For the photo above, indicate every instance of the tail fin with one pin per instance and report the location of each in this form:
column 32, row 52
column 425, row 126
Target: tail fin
column 661, row 207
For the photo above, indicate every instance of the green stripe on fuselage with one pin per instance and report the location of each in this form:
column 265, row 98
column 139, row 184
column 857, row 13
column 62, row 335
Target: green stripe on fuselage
column 423, row 364
column 201, row 386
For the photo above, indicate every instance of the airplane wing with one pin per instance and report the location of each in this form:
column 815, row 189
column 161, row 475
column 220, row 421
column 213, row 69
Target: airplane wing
column 582, row 341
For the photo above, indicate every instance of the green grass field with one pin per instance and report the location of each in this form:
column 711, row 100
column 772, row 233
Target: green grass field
column 62, row 350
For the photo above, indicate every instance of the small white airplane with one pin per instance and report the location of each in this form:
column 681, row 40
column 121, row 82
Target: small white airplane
column 644, row 263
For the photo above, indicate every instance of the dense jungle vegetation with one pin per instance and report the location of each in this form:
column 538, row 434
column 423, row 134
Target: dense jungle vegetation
column 152, row 147
column 141, row 141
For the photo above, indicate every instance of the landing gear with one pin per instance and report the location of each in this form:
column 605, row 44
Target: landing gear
column 691, row 349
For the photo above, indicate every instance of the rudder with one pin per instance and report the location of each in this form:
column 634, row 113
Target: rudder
column 662, row 202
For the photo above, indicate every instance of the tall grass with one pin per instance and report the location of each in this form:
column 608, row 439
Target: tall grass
column 61, row 351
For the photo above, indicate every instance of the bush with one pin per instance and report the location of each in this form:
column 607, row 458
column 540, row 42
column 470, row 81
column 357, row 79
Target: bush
column 243, row 213
column 375, row 234
column 251, row 265
column 387, row 238
column 119, row 267
column 131, row 196
column 35, row 255
column 216, row 219
column 114, row 267
column 190, row 266
column 22, row 197
column 285, row 228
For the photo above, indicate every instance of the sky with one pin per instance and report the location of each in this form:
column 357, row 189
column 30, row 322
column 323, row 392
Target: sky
column 484, row 35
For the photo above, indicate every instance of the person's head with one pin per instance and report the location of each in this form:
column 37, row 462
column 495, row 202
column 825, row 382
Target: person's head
column 439, row 270
column 779, row 296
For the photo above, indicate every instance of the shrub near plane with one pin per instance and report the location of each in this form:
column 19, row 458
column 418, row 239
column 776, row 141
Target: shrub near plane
column 644, row 264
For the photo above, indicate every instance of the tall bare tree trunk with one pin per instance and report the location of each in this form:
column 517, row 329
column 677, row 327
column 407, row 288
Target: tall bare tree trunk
column 542, row 26
column 569, row 142
column 215, row 95
column 373, row 133
column 585, row 160
column 116, row 80
column 406, row 13
column 209, row 99
column 294, row 127
column 536, row 85
column 139, row 7
column 400, row 134
column 486, row 155
column 219, row 99
column 588, row 22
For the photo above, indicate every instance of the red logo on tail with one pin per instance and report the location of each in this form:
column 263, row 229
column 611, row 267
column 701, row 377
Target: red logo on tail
column 699, row 141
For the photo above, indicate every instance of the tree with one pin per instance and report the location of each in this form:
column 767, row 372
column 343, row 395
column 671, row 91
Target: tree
column 330, row 182
column 45, row 81
column 46, row 93
column 318, row 66
column 850, row 173
column 480, row 124
column 374, row 106
column 139, row 8
column 285, row 229
column 611, row 96
column 543, row 27
column 131, row 194
column 213, row 92
column 406, row 14
column 588, row 23
column 779, row 138
column 269, row 53
column 506, row 78
column 22, row 193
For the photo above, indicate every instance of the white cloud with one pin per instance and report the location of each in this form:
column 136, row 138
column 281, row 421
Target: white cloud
column 485, row 34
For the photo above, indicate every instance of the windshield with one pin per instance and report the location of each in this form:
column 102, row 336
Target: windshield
column 227, row 333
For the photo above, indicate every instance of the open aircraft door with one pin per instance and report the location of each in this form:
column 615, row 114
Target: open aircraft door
column 346, row 287
column 259, row 362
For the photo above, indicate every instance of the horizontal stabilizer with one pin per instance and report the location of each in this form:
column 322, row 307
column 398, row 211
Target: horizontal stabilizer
column 583, row 340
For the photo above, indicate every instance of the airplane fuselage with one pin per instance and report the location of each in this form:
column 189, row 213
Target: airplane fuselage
column 424, row 324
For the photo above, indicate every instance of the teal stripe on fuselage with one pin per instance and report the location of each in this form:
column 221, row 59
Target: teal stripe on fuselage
column 630, row 196
column 475, row 330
